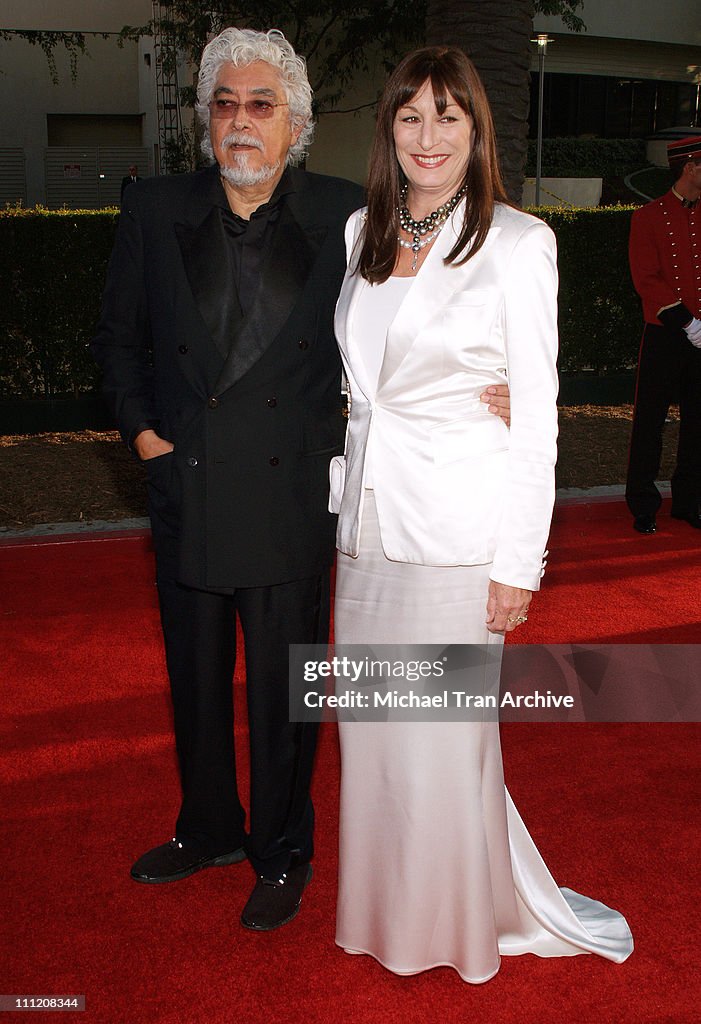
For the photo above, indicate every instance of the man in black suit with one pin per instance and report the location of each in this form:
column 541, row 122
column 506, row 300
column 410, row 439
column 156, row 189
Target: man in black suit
column 131, row 178
column 229, row 276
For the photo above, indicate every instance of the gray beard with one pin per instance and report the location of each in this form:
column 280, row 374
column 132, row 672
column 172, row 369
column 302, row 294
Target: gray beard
column 244, row 175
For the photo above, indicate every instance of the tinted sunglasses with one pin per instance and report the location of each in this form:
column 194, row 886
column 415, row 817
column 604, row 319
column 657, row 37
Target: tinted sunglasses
column 259, row 110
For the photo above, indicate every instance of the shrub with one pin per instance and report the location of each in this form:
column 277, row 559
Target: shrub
column 53, row 264
column 587, row 158
column 600, row 315
column 52, row 269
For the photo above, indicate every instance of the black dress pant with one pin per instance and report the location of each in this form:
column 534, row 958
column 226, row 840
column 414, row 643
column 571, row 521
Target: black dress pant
column 669, row 370
column 199, row 629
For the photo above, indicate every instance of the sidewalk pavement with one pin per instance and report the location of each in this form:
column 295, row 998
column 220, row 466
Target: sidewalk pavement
column 74, row 531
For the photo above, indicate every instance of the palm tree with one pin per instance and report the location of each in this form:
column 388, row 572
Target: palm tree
column 496, row 35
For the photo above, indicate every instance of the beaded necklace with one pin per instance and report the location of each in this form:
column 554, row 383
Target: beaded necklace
column 424, row 231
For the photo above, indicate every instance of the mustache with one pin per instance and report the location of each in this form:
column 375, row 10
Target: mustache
column 241, row 139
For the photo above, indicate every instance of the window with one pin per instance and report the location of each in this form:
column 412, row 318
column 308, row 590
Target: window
column 611, row 108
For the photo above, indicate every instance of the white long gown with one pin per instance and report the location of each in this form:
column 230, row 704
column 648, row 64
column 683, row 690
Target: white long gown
column 436, row 865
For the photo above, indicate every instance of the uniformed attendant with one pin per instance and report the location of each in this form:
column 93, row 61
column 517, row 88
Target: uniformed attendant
column 665, row 263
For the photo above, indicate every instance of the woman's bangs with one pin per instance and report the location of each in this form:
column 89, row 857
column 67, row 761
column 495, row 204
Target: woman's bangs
column 441, row 85
column 447, row 87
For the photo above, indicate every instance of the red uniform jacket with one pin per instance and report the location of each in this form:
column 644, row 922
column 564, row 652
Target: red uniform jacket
column 665, row 257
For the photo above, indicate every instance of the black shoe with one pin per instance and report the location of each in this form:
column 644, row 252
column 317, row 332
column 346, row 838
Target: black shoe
column 692, row 518
column 645, row 524
column 173, row 861
column 272, row 904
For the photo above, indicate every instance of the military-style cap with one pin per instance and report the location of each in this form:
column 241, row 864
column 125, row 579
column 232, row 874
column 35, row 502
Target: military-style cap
column 684, row 149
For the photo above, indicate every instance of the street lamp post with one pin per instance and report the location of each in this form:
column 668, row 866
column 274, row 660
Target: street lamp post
column 542, row 40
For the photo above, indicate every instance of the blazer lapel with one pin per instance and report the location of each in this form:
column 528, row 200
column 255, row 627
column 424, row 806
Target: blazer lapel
column 431, row 290
column 293, row 252
column 206, row 258
column 351, row 290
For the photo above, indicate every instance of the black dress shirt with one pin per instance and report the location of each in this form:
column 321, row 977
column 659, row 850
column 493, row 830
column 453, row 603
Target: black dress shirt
column 250, row 242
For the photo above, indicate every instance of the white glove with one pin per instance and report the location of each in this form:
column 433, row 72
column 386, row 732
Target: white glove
column 693, row 332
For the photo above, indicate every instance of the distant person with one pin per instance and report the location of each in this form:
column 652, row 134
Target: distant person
column 131, row 177
column 665, row 262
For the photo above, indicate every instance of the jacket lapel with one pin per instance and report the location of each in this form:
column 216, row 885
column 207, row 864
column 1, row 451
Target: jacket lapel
column 206, row 258
column 430, row 292
column 294, row 249
column 353, row 287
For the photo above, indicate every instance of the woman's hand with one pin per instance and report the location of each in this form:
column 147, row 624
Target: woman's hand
column 507, row 607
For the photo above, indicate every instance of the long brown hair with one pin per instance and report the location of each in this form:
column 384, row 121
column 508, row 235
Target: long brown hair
column 452, row 75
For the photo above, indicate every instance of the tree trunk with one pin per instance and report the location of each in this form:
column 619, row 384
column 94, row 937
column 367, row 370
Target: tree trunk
column 496, row 35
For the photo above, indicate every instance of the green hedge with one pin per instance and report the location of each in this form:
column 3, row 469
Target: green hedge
column 52, row 270
column 588, row 158
column 600, row 315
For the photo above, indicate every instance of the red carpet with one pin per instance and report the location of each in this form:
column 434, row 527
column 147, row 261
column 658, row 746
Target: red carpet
column 90, row 783
column 604, row 583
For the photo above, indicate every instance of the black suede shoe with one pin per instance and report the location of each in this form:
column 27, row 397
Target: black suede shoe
column 645, row 524
column 272, row 904
column 692, row 518
column 173, row 861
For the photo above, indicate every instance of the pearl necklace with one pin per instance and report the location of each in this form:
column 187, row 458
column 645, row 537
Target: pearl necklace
column 415, row 246
column 420, row 229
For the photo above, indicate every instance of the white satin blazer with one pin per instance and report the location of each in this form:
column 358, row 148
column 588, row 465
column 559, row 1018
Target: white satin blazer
column 453, row 485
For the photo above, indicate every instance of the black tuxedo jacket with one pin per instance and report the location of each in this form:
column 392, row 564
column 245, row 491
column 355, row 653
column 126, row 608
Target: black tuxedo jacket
column 251, row 403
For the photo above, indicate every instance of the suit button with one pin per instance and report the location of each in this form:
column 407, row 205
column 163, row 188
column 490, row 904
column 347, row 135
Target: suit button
column 303, row 344
column 272, row 402
column 182, row 349
column 274, row 461
column 192, row 461
column 212, row 403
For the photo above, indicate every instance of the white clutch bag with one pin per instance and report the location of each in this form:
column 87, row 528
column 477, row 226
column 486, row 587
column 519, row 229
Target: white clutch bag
column 337, row 467
column 337, row 482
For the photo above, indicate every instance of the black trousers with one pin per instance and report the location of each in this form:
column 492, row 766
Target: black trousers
column 199, row 629
column 669, row 370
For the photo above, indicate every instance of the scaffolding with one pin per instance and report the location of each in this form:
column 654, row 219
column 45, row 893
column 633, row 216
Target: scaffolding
column 167, row 94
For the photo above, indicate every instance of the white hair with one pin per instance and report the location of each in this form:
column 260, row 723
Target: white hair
column 244, row 46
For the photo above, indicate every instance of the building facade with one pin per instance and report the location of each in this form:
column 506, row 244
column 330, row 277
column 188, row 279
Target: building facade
column 634, row 71
column 70, row 142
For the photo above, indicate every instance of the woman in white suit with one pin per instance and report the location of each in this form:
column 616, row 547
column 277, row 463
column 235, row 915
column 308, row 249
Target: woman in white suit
column 444, row 514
